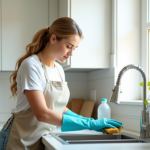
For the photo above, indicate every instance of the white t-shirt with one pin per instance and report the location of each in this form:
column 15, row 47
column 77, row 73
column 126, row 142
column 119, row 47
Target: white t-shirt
column 31, row 76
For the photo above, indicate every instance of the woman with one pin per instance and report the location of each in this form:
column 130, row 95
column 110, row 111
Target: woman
column 41, row 90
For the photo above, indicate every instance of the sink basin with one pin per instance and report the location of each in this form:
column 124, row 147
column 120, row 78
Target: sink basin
column 102, row 138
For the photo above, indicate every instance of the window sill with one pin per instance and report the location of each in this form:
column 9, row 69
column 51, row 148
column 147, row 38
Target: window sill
column 133, row 102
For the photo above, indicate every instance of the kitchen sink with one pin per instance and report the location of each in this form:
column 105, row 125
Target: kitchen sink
column 101, row 138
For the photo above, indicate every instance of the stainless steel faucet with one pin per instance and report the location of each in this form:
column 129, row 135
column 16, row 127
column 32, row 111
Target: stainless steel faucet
column 144, row 119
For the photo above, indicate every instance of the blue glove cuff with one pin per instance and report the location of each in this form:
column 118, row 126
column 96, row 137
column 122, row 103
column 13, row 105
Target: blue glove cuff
column 70, row 113
column 70, row 123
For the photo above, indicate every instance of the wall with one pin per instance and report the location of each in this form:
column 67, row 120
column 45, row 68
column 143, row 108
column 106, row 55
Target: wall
column 78, row 85
column 102, row 81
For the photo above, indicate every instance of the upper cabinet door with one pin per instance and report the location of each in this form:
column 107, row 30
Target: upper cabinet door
column 93, row 18
column 21, row 19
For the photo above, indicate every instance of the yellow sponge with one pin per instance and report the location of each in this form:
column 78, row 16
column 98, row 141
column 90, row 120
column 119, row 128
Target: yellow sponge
column 112, row 130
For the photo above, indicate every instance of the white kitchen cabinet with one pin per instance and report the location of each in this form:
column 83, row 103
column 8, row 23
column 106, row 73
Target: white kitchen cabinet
column 21, row 19
column 93, row 18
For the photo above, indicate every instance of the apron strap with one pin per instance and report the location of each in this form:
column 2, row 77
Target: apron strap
column 59, row 72
column 41, row 57
column 46, row 75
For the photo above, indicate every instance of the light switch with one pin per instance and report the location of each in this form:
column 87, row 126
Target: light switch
column 93, row 95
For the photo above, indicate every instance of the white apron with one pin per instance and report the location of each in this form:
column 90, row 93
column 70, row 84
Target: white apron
column 26, row 132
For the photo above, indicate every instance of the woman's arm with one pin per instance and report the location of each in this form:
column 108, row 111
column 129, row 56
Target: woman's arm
column 41, row 111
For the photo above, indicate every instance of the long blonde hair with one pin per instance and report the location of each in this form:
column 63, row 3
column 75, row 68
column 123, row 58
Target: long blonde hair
column 62, row 27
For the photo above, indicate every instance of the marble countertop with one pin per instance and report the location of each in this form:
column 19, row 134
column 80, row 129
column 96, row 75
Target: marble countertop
column 51, row 143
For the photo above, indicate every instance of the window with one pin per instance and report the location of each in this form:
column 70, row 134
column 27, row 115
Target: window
column 148, row 63
column 148, row 45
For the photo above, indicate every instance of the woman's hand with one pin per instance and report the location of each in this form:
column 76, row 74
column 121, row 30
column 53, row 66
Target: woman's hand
column 99, row 124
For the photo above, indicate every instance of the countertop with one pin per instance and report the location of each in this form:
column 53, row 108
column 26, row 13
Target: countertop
column 52, row 144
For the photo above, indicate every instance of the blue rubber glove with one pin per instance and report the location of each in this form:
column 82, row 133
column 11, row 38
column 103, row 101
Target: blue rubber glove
column 71, row 113
column 70, row 123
